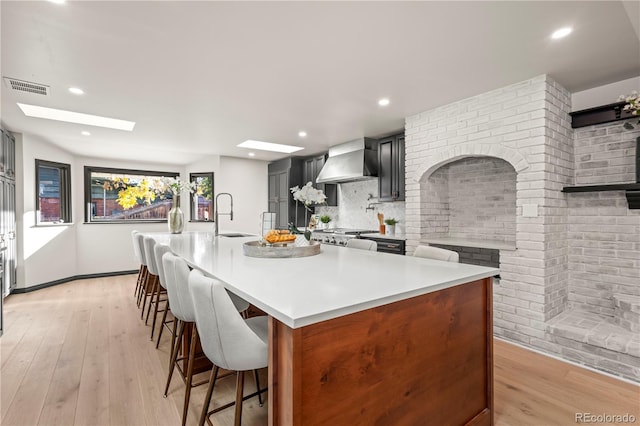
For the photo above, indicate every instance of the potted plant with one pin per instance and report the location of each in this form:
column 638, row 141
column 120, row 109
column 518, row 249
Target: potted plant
column 391, row 226
column 325, row 219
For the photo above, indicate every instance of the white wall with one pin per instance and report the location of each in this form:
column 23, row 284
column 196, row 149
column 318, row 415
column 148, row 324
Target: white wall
column 603, row 95
column 107, row 247
column 247, row 181
column 46, row 253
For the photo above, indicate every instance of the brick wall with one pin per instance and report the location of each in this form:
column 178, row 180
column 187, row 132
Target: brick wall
column 526, row 125
column 580, row 249
column 604, row 235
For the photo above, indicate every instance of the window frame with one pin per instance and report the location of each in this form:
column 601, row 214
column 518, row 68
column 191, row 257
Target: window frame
column 87, row 192
column 66, row 215
column 210, row 175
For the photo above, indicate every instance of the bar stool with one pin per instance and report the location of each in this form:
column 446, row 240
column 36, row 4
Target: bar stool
column 144, row 283
column 228, row 340
column 176, row 276
column 158, row 251
column 152, row 287
column 436, row 253
column 137, row 256
column 358, row 243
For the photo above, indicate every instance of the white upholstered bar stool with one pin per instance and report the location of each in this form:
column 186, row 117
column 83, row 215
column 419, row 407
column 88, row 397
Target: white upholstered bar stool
column 176, row 273
column 154, row 292
column 144, row 284
column 358, row 243
column 436, row 253
column 159, row 250
column 228, row 340
column 138, row 257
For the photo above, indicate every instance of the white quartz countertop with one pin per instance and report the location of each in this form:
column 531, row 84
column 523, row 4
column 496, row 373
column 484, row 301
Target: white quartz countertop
column 306, row 290
column 398, row 236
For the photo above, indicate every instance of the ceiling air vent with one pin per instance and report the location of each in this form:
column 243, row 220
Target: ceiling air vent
column 26, row 86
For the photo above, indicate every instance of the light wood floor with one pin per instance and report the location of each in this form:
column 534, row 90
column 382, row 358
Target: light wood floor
column 78, row 354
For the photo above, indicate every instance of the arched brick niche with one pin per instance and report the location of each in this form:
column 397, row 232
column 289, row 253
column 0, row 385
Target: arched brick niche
column 470, row 198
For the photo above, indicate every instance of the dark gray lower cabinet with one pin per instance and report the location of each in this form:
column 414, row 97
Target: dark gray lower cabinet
column 388, row 245
column 8, row 246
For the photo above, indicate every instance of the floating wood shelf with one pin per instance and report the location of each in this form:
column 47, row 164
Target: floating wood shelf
column 600, row 188
column 598, row 115
column 631, row 190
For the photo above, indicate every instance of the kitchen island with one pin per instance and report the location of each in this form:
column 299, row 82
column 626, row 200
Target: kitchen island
column 360, row 337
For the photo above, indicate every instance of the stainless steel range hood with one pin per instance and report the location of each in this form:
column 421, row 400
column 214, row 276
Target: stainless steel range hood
column 351, row 161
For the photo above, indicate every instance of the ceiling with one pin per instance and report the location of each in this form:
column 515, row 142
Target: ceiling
column 198, row 78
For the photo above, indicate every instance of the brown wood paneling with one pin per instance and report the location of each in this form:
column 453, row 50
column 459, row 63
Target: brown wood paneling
column 284, row 374
column 424, row 360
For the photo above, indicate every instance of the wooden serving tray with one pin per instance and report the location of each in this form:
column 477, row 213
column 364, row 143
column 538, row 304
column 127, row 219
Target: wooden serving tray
column 298, row 248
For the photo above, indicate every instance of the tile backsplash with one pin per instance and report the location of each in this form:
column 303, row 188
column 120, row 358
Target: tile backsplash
column 353, row 199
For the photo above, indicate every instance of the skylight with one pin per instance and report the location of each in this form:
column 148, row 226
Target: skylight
column 75, row 117
column 268, row 146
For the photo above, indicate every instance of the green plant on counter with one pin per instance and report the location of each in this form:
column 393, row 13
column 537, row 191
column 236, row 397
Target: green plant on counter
column 325, row 219
column 391, row 221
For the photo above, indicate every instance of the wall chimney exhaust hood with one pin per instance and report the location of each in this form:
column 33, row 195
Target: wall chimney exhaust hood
column 351, row 161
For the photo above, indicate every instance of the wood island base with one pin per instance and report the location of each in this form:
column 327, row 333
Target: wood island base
column 426, row 360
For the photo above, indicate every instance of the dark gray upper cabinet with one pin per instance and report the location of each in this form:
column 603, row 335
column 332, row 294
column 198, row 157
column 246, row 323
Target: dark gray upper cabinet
column 311, row 169
column 391, row 168
column 284, row 174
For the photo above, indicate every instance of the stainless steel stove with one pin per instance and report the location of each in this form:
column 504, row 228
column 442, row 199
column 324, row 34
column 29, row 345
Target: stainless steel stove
column 338, row 236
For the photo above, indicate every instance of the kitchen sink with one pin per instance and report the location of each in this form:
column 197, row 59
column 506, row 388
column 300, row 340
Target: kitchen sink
column 235, row 235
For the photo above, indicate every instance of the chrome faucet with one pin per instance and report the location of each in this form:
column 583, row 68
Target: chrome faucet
column 217, row 214
column 371, row 203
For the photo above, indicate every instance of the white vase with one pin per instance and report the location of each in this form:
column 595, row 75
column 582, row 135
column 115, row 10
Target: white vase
column 175, row 220
column 390, row 230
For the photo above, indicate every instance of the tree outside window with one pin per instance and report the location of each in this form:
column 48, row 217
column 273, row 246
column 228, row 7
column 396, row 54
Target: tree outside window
column 202, row 203
column 121, row 195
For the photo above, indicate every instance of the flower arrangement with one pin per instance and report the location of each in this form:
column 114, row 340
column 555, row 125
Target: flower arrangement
column 176, row 185
column 325, row 219
column 632, row 105
column 308, row 195
column 391, row 221
column 633, row 102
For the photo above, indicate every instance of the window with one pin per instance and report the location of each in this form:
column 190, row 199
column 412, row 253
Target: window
column 53, row 188
column 121, row 195
column 202, row 203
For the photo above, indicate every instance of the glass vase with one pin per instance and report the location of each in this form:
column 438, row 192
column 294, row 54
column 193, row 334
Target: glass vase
column 176, row 217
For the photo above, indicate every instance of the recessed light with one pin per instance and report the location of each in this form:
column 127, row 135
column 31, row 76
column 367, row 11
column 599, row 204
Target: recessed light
column 76, row 90
column 85, row 133
column 562, row 32
column 58, row 1
column 268, row 146
column 75, row 117
column 252, row 154
column 302, row 134
column 383, row 102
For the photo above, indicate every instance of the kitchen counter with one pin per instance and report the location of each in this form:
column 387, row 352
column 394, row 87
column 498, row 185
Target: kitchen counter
column 397, row 236
column 307, row 290
column 361, row 337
